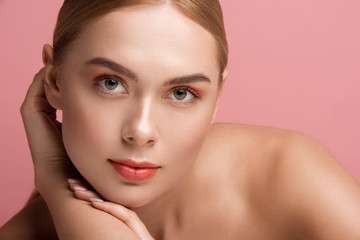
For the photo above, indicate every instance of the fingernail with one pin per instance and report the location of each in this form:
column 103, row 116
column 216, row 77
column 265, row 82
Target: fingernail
column 79, row 188
column 96, row 200
column 72, row 180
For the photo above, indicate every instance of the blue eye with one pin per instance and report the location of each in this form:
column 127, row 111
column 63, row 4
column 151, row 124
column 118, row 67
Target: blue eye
column 111, row 85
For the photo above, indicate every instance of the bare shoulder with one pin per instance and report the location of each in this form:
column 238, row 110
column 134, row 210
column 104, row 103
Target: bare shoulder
column 254, row 148
column 258, row 141
column 293, row 179
column 257, row 152
column 317, row 188
column 248, row 136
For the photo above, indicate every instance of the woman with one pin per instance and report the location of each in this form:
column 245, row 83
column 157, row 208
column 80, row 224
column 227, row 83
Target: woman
column 138, row 84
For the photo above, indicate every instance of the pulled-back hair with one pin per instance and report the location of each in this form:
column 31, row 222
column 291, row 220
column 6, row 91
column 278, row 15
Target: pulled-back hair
column 76, row 15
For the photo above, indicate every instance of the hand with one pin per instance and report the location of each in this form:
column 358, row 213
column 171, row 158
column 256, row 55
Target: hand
column 72, row 218
column 43, row 131
column 120, row 212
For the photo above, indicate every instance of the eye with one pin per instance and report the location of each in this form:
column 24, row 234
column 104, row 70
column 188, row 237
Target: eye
column 111, row 84
column 183, row 95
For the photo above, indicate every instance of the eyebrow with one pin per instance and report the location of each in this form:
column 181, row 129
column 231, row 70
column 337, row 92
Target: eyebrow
column 198, row 77
column 113, row 66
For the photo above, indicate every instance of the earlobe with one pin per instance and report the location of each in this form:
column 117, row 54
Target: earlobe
column 51, row 85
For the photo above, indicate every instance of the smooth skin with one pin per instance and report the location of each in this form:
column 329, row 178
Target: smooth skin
column 238, row 182
column 279, row 185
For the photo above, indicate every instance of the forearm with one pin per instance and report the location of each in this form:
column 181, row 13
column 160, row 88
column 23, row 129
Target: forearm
column 76, row 219
column 25, row 226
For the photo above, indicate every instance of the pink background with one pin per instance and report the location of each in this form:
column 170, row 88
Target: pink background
column 293, row 64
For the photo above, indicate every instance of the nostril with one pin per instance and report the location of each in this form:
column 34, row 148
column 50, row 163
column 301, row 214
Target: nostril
column 139, row 141
column 139, row 134
column 130, row 140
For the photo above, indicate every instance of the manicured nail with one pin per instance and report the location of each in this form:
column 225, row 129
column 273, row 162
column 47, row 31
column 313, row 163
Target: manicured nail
column 79, row 188
column 72, row 180
column 96, row 200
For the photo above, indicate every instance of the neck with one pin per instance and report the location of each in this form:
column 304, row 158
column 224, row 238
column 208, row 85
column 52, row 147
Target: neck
column 164, row 213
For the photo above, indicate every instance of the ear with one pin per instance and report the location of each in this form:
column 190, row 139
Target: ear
column 51, row 84
column 224, row 76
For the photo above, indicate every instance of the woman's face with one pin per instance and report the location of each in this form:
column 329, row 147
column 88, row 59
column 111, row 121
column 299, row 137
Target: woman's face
column 139, row 90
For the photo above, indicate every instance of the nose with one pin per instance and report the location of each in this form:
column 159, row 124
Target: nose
column 139, row 128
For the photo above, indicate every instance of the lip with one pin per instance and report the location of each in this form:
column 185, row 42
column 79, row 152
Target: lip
column 134, row 171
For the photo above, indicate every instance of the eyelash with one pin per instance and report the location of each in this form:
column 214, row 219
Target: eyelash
column 192, row 91
column 107, row 92
column 102, row 91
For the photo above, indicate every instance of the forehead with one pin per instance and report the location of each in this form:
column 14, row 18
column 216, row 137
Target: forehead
column 152, row 37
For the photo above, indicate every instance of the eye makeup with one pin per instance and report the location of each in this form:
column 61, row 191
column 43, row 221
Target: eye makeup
column 110, row 85
column 187, row 95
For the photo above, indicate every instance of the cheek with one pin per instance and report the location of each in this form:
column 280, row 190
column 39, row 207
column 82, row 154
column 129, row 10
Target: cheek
column 186, row 135
column 185, row 149
column 86, row 133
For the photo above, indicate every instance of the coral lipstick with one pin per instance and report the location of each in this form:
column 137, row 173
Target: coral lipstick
column 134, row 171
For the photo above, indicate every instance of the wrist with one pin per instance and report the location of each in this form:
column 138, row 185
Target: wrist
column 51, row 178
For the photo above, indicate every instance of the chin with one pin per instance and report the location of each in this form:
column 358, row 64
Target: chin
column 132, row 196
column 136, row 204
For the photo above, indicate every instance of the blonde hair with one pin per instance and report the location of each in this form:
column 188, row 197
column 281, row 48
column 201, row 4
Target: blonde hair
column 75, row 15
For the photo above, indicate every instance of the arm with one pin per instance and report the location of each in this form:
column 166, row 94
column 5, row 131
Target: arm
column 76, row 219
column 317, row 189
column 25, row 226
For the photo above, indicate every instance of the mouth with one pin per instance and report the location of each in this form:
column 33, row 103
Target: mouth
column 134, row 171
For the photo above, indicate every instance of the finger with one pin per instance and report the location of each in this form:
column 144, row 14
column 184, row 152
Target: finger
column 76, row 182
column 85, row 195
column 81, row 190
column 35, row 96
column 77, row 186
column 124, row 214
column 37, row 86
